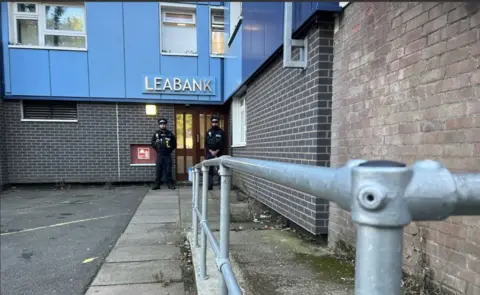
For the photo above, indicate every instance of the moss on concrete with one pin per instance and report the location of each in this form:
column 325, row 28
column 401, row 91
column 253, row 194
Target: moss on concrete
column 329, row 267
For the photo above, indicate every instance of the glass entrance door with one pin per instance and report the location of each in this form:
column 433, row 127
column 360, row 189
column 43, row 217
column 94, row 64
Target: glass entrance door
column 191, row 125
column 185, row 144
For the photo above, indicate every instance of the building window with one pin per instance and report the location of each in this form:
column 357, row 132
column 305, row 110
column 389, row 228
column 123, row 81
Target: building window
column 235, row 18
column 48, row 25
column 179, row 31
column 218, row 32
column 47, row 110
column 239, row 122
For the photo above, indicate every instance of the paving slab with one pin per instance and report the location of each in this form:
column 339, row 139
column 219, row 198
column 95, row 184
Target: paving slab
column 160, row 201
column 147, row 239
column 140, row 289
column 154, row 219
column 136, row 272
column 143, row 253
column 150, row 228
column 157, row 212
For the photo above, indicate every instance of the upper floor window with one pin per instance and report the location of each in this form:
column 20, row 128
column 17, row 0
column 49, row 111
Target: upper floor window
column 218, row 32
column 179, row 32
column 48, row 25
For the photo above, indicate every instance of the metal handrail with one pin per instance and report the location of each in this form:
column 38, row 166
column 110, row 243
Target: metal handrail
column 383, row 197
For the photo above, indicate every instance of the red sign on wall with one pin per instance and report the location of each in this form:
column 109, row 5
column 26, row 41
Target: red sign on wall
column 143, row 153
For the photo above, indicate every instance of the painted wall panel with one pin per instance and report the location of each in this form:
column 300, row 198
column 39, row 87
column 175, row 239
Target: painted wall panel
column 179, row 66
column 203, row 40
column 69, row 73
column 233, row 64
column 105, row 49
column 263, row 28
column 216, row 65
column 142, row 45
column 6, row 52
column 30, row 72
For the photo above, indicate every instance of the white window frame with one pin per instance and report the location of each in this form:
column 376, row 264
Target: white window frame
column 234, row 20
column 238, row 131
column 39, row 15
column 219, row 24
column 177, row 8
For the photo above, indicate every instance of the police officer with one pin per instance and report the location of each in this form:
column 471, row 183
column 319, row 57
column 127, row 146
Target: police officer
column 214, row 145
column 164, row 142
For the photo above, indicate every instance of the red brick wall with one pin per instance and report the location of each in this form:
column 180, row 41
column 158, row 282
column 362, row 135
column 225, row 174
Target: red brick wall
column 406, row 87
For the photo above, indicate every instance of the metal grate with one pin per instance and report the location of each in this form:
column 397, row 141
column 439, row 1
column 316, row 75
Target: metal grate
column 50, row 110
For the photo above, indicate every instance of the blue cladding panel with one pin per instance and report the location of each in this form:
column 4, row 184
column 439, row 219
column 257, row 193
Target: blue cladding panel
column 216, row 3
column 215, row 71
column 263, row 28
column 179, row 66
column 69, row 73
column 30, row 72
column 142, row 45
column 233, row 64
column 6, row 53
column 263, row 31
column 105, row 49
column 203, row 40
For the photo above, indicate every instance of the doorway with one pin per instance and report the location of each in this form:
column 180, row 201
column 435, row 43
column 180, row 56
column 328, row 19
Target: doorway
column 191, row 125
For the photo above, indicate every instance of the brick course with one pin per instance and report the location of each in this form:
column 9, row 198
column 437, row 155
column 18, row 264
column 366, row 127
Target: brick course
column 288, row 120
column 420, row 100
column 3, row 158
column 86, row 151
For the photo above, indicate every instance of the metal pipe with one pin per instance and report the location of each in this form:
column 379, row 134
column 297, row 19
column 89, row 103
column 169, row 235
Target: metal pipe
column 378, row 260
column 203, row 253
column 225, row 179
column 468, row 189
column 287, row 33
column 211, row 239
column 229, row 276
column 196, row 188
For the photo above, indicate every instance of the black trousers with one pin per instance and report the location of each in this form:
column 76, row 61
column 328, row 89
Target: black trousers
column 211, row 169
column 164, row 163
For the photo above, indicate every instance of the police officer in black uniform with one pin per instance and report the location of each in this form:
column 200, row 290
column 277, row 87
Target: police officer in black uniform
column 164, row 142
column 214, row 145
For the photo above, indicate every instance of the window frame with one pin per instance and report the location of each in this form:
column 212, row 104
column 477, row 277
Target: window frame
column 211, row 24
column 40, row 16
column 23, row 119
column 239, row 106
column 177, row 8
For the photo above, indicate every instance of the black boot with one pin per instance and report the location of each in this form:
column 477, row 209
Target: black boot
column 155, row 187
column 171, row 186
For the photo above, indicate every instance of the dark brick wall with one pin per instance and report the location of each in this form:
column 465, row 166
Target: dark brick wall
column 288, row 120
column 3, row 158
column 86, row 151
column 406, row 87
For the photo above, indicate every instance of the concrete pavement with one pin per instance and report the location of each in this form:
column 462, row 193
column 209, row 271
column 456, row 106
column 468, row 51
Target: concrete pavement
column 147, row 258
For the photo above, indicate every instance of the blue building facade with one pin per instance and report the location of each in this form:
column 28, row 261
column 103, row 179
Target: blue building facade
column 84, row 84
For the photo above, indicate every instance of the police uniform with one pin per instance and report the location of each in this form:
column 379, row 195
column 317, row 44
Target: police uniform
column 214, row 140
column 164, row 142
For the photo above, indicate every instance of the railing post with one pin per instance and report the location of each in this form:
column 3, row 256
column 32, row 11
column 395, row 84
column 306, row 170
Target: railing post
column 203, row 257
column 226, row 180
column 380, row 212
column 196, row 187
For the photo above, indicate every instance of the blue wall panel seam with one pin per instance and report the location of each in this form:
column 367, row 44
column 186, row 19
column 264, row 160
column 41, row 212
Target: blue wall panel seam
column 50, row 72
column 124, row 54
column 88, row 74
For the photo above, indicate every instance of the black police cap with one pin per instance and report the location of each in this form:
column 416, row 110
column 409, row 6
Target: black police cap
column 214, row 120
column 162, row 121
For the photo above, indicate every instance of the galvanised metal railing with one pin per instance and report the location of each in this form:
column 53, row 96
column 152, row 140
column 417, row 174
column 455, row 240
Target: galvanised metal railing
column 382, row 196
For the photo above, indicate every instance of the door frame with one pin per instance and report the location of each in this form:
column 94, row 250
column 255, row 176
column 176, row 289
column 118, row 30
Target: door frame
column 196, row 111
